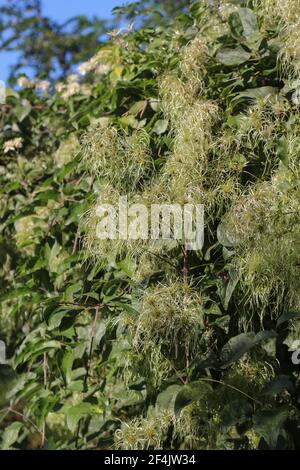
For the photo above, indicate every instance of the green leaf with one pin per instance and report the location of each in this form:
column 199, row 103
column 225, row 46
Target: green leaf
column 15, row 293
column 277, row 385
column 233, row 57
column 239, row 345
column 235, row 411
column 68, row 168
column 8, row 378
column 224, row 236
column 193, row 392
column 56, row 319
column 286, row 317
column 166, row 399
column 36, row 350
column 128, row 266
column 53, row 257
column 10, row 435
column 232, row 283
column 67, row 364
column 160, row 126
column 233, row 350
column 71, row 290
column 138, row 107
column 76, row 412
column 48, row 195
column 22, row 111
column 283, row 150
column 269, row 424
column 256, row 93
column 249, row 22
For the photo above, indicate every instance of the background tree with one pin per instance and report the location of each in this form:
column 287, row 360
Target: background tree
column 153, row 12
column 44, row 45
column 49, row 47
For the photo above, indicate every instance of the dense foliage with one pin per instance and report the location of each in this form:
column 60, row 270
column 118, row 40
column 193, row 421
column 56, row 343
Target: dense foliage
column 143, row 345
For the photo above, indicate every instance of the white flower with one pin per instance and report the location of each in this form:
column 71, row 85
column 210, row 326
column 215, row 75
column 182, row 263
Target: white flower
column 43, row 85
column 85, row 90
column 97, row 63
column 24, row 82
column 13, row 144
column 73, row 78
column 72, row 89
column 103, row 69
column 59, row 87
column 86, row 67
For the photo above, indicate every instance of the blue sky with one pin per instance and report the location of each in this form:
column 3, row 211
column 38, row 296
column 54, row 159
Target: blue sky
column 61, row 10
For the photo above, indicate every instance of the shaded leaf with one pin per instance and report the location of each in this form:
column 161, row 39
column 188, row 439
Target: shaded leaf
column 239, row 345
column 232, row 57
column 277, row 385
column 160, row 126
column 76, row 412
column 249, row 22
column 190, row 393
column 269, row 424
column 165, row 400
column 10, row 435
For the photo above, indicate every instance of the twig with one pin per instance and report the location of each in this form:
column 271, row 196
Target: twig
column 161, row 258
column 76, row 241
column 45, row 371
column 186, row 269
column 78, row 181
column 232, row 387
column 17, row 413
column 74, row 304
column 50, row 225
column 184, row 381
column 38, row 107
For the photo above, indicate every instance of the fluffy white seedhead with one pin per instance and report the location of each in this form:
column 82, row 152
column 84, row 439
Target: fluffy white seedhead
column 124, row 160
column 265, row 225
column 171, row 317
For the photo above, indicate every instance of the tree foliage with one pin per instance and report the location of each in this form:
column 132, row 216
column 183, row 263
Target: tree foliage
column 45, row 46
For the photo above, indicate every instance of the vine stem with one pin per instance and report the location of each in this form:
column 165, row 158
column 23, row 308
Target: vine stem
column 232, row 387
column 162, row 258
column 74, row 304
column 45, row 371
column 186, row 267
column 38, row 107
column 76, row 239
column 186, row 273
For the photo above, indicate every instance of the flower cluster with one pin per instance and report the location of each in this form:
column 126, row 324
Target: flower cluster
column 13, row 144
column 98, row 64
column 72, row 87
column 41, row 85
